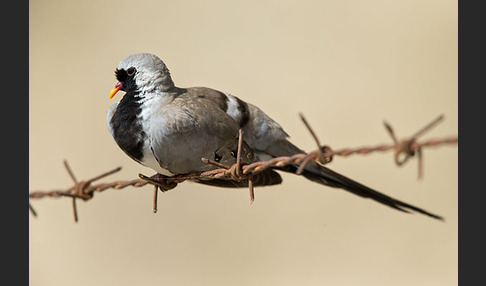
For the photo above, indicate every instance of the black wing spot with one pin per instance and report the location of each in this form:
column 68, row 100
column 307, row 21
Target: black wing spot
column 222, row 101
column 244, row 111
column 217, row 157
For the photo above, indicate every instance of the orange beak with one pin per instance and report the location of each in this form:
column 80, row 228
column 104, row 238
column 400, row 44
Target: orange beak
column 117, row 87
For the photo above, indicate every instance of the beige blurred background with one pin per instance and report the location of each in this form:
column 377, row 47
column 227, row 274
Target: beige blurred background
column 347, row 65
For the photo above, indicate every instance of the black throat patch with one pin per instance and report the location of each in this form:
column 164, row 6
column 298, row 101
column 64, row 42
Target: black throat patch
column 127, row 128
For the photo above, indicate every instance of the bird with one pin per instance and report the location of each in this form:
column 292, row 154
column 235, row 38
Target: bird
column 169, row 129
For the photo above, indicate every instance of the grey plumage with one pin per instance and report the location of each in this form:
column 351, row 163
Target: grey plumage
column 170, row 129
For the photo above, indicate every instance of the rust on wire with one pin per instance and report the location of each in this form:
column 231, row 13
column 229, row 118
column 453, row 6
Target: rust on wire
column 408, row 148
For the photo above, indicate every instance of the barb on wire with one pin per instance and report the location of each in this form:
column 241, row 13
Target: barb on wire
column 323, row 154
column 408, row 146
column 71, row 174
column 34, row 213
column 84, row 190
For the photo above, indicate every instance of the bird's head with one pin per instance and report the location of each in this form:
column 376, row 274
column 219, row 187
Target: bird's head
column 143, row 73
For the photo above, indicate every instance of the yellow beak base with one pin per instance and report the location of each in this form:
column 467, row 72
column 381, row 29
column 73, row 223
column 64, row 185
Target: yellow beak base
column 114, row 91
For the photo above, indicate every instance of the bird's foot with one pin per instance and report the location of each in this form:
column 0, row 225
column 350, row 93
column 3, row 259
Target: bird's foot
column 165, row 183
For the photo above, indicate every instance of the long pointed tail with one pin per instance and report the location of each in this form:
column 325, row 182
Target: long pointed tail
column 325, row 176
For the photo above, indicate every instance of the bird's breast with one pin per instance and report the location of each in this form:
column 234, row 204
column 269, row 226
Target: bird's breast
column 127, row 128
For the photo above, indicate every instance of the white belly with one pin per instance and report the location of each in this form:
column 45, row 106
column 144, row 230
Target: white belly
column 150, row 161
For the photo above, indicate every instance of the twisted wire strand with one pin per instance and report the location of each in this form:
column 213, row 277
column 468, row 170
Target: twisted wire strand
column 88, row 189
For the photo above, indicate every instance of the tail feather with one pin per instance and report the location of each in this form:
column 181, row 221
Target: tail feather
column 325, row 176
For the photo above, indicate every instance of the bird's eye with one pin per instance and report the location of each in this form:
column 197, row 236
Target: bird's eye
column 131, row 71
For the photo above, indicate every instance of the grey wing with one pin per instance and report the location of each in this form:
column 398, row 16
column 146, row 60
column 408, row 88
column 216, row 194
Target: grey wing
column 192, row 128
column 217, row 139
column 263, row 135
column 266, row 137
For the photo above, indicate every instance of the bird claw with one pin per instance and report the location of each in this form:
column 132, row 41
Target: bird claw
column 159, row 180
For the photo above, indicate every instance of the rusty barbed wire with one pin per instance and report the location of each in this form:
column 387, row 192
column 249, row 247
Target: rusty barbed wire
column 323, row 154
column 84, row 190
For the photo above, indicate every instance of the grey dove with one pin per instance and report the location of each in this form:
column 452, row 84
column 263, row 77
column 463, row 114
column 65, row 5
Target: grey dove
column 169, row 129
